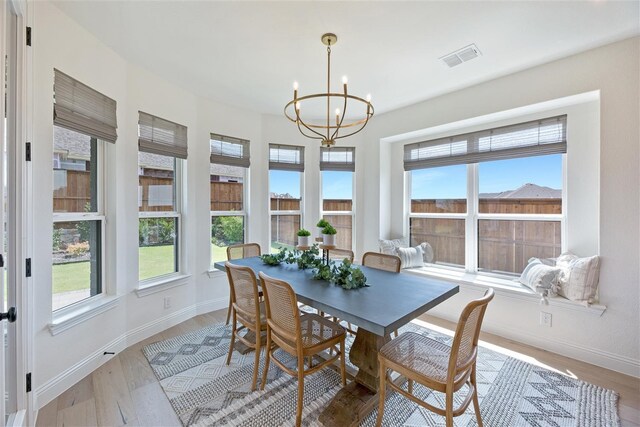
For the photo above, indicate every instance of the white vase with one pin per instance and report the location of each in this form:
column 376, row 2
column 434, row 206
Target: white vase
column 329, row 239
column 320, row 231
column 303, row 240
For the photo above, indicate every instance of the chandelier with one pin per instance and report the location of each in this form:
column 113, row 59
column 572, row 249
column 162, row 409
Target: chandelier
column 333, row 128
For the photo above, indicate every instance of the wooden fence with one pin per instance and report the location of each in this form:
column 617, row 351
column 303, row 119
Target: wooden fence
column 503, row 245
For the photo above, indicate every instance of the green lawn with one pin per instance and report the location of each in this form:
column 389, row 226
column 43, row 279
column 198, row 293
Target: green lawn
column 154, row 261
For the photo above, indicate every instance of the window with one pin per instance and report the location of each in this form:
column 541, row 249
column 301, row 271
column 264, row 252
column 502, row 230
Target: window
column 337, row 167
column 512, row 212
column 438, row 211
column 228, row 173
column 286, row 167
column 162, row 147
column 83, row 121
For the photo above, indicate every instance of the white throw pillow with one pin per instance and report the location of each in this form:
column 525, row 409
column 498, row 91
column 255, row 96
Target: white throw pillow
column 427, row 252
column 539, row 277
column 389, row 246
column 410, row 257
column 579, row 278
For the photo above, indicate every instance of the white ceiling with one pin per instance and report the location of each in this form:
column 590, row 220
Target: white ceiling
column 247, row 54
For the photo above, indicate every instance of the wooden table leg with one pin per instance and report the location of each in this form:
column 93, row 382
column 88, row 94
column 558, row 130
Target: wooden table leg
column 355, row 401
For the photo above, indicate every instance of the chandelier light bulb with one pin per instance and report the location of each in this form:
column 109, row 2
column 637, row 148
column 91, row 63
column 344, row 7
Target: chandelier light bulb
column 298, row 106
column 295, row 85
column 337, row 111
column 344, row 80
column 368, row 97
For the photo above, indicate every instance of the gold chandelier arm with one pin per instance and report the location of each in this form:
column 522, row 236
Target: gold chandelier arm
column 299, row 121
column 364, row 123
column 344, row 113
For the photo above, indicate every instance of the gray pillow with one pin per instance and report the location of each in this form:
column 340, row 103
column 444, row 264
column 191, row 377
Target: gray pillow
column 539, row 277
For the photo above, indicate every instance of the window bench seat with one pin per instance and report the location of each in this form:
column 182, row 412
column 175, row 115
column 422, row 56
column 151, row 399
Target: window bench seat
column 503, row 286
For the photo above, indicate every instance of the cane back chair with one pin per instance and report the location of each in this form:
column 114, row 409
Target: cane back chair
column 244, row 250
column 248, row 311
column 436, row 365
column 301, row 335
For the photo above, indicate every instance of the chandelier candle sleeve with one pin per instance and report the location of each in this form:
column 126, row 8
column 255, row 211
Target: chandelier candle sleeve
column 360, row 109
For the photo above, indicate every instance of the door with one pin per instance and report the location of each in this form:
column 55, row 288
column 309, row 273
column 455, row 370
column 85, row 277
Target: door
column 8, row 315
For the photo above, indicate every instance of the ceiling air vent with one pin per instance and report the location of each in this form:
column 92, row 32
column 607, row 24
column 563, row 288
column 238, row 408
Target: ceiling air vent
column 465, row 54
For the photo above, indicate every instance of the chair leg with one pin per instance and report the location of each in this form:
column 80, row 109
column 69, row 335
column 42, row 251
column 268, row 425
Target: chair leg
column 449, row 408
column 395, row 333
column 343, row 370
column 256, row 362
column 266, row 360
column 300, row 391
column 410, row 386
column 229, row 311
column 381, row 391
column 476, row 403
column 233, row 339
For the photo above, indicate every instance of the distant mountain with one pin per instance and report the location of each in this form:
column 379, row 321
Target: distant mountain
column 526, row 191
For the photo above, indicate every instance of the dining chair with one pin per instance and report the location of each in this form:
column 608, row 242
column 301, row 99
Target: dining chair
column 243, row 250
column 384, row 262
column 436, row 365
column 301, row 335
column 247, row 310
column 340, row 254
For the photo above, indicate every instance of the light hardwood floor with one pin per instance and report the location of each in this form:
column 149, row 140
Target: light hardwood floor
column 124, row 391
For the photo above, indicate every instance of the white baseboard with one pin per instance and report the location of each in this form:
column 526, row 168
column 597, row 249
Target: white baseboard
column 601, row 358
column 61, row 382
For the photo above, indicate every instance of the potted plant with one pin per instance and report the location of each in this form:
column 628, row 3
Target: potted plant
column 303, row 237
column 329, row 235
column 321, row 225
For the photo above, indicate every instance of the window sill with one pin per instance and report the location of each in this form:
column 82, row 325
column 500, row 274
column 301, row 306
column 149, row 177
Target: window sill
column 214, row 273
column 69, row 317
column 504, row 286
column 161, row 284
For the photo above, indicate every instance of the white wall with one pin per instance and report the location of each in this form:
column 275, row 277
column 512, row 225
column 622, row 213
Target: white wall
column 613, row 70
column 63, row 359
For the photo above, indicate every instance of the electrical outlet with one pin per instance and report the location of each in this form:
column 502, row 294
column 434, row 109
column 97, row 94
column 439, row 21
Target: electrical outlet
column 545, row 318
column 167, row 302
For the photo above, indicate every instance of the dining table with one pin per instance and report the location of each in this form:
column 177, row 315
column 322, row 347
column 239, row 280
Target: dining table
column 390, row 301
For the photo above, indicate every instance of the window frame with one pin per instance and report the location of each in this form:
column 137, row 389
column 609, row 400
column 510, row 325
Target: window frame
column 351, row 213
column 244, row 213
column 299, row 212
column 177, row 215
column 100, row 216
column 473, row 216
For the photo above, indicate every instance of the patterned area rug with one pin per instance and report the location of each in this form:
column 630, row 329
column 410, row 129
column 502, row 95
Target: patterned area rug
column 204, row 391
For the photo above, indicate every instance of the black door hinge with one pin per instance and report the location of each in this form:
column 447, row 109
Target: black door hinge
column 27, row 152
column 29, row 382
column 28, row 267
column 28, row 36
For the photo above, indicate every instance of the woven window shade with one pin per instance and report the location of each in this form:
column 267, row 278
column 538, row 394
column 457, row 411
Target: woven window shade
column 160, row 136
column 82, row 109
column 286, row 157
column 226, row 150
column 338, row 159
column 535, row 138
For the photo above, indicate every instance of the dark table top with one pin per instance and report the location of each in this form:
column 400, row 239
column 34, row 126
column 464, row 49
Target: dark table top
column 390, row 301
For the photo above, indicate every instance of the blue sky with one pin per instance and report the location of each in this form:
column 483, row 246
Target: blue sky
column 335, row 185
column 442, row 183
column 449, row 182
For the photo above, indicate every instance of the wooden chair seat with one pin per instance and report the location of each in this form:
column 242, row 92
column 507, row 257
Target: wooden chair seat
column 317, row 330
column 426, row 359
